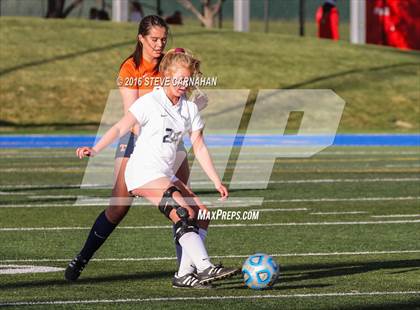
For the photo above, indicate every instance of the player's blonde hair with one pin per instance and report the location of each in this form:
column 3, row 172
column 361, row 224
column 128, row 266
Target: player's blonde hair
column 180, row 57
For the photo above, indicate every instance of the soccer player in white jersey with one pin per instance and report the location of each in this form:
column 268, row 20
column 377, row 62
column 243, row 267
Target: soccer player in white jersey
column 165, row 116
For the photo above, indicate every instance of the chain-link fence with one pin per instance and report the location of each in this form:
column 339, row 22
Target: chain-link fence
column 274, row 16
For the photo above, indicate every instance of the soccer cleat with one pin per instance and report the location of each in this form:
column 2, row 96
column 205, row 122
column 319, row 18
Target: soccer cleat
column 217, row 272
column 75, row 268
column 188, row 281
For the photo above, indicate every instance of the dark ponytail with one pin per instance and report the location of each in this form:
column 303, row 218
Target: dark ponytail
column 144, row 29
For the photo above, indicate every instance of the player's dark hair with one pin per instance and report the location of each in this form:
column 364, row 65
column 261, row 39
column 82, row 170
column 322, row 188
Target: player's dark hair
column 145, row 26
column 327, row 7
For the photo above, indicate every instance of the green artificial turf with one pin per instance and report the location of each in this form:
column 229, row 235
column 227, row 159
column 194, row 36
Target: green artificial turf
column 343, row 225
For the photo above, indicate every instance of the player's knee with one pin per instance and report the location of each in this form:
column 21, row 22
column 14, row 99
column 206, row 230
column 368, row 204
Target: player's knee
column 203, row 218
column 115, row 214
column 120, row 190
column 203, row 222
column 168, row 204
column 203, row 209
column 191, row 212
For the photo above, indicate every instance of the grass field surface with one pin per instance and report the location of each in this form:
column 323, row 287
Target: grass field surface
column 343, row 225
column 57, row 74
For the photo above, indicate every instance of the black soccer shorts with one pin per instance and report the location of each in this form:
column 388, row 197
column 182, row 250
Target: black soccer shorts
column 125, row 145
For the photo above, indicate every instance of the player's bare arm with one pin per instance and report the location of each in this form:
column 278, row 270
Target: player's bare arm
column 119, row 129
column 204, row 158
column 128, row 97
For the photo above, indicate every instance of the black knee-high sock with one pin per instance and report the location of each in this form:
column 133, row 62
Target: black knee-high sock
column 101, row 229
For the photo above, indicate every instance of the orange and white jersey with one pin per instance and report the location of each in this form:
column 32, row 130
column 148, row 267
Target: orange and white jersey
column 141, row 78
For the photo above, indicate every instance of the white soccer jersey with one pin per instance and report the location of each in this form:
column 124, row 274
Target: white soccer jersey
column 163, row 126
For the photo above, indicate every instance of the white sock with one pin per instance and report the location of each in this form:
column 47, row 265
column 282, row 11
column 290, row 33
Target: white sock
column 178, row 249
column 186, row 265
column 194, row 247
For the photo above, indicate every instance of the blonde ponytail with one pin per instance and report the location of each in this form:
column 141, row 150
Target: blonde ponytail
column 180, row 57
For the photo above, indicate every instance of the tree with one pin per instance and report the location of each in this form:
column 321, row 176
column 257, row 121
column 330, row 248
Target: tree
column 56, row 8
column 209, row 10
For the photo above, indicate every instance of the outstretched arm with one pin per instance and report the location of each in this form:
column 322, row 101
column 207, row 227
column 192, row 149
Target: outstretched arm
column 200, row 99
column 203, row 156
column 116, row 131
column 128, row 97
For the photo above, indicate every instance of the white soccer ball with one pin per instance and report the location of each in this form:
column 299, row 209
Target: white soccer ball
column 260, row 271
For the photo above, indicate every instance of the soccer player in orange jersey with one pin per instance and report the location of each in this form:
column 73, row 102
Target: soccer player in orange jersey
column 136, row 77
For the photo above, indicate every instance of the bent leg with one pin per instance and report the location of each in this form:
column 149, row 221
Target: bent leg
column 121, row 200
column 189, row 240
column 154, row 190
column 194, row 202
column 182, row 173
column 185, row 263
column 182, row 167
column 107, row 221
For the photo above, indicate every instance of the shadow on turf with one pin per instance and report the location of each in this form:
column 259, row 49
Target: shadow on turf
column 318, row 271
column 389, row 305
column 348, row 72
column 88, row 51
column 89, row 280
column 239, row 284
column 405, row 271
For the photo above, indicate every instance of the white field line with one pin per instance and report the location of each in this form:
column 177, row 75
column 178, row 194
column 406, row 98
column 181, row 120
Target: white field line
column 249, row 202
column 281, row 210
column 14, row 193
column 308, row 181
column 414, row 152
column 344, row 199
column 45, row 156
column 252, row 160
column 395, row 215
column 208, row 298
column 44, row 169
column 36, row 197
column 165, row 258
column 215, row 153
column 83, row 200
column 337, row 213
column 55, row 205
column 19, row 229
column 31, row 186
column 19, row 269
column 244, row 169
column 402, row 165
column 9, row 152
column 305, row 181
column 347, row 153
